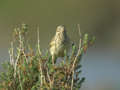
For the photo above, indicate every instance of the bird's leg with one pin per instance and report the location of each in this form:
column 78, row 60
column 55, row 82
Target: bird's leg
column 53, row 59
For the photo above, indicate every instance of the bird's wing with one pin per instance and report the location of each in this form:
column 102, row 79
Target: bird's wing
column 52, row 42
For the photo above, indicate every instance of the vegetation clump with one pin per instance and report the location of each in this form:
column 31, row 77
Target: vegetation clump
column 28, row 69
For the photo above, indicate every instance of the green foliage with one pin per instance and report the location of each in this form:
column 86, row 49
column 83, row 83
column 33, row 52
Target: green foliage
column 29, row 70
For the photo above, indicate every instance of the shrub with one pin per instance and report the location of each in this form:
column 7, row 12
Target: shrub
column 28, row 69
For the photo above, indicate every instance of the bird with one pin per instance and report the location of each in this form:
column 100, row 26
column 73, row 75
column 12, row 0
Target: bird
column 60, row 43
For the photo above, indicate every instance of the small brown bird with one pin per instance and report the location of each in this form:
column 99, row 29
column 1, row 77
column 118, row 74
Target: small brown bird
column 59, row 43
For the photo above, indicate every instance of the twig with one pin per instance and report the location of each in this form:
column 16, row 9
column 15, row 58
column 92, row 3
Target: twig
column 41, row 74
column 40, row 55
column 16, row 62
column 39, row 42
column 11, row 54
column 19, row 77
column 72, row 82
column 25, row 56
column 19, row 52
column 79, row 31
column 49, row 79
column 78, row 53
column 79, row 49
column 20, row 41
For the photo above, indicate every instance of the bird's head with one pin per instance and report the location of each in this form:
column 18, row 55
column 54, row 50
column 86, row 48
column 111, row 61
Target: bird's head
column 60, row 29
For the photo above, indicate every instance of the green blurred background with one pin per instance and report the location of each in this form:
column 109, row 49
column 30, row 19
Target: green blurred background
column 101, row 64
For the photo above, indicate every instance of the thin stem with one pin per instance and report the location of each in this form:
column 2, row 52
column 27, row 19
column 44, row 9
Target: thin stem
column 72, row 80
column 39, row 42
column 78, row 54
column 79, row 49
column 49, row 79
column 16, row 62
column 11, row 53
column 41, row 74
column 20, row 41
column 79, row 31
column 20, row 79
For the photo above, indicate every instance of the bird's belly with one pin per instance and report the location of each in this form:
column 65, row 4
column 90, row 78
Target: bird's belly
column 57, row 50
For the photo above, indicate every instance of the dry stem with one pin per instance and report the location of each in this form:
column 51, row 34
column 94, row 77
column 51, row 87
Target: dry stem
column 78, row 54
column 39, row 43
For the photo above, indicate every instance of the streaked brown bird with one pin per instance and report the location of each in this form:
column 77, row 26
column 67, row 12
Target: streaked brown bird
column 59, row 43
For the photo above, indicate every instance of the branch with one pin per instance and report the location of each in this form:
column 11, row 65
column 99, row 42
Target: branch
column 49, row 78
column 78, row 54
column 11, row 53
column 38, row 42
column 41, row 74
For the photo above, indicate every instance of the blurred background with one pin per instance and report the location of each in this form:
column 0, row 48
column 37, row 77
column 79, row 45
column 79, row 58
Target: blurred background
column 101, row 63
